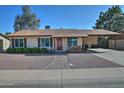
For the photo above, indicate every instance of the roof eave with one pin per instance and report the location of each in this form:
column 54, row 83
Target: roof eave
column 103, row 34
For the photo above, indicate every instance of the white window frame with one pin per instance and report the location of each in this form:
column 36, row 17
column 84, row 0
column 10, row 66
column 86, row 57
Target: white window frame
column 41, row 42
column 18, row 42
column 72, row 41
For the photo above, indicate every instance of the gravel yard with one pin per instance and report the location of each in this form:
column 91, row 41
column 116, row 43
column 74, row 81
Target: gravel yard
column 66, row 61
column 22, row 61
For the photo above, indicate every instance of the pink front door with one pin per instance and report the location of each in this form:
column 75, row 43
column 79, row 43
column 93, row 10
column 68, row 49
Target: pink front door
column 59, row 43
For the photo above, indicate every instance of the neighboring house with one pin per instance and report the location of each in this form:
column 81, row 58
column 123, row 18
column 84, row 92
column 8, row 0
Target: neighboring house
column 57, row 39
column 4, row 43
column 117, row 42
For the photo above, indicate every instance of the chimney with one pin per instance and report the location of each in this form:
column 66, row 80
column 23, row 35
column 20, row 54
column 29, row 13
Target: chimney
column 47, row 27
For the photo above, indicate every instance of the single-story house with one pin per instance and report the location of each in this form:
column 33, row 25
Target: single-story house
column 59, row 40
column 4, row 43
column 117, row 42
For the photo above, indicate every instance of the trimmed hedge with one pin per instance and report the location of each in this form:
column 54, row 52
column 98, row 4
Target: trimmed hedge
column 10, row 50
column 27, row 50
column 19, row 50
column 44, row 50
column 35, row 50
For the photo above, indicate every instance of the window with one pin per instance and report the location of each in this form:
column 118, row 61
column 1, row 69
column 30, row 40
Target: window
column 45, row 42
column 19, row 43
column 72, row 41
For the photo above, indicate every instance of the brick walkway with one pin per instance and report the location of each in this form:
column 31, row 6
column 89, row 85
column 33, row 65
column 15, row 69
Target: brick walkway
column 59, row 62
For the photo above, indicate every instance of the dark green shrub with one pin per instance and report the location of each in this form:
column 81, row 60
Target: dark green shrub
column 18, row 50
column 35, row 50
column 26, row 50
column 10, row 50
column 43, row 50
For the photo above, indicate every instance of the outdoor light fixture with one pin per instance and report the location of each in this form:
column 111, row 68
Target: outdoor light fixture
column 106, row 37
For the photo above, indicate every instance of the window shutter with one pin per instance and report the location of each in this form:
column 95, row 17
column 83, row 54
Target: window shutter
column 51, row 42
column 68, row 42
column 12, row 42
column 25, row 42
column 38, row 42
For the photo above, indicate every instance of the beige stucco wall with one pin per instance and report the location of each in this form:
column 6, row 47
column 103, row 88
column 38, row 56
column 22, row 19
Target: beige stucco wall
column 64, row 44
column 91, row 40
column 119, row 44
column 112, row 44
column 6, row 43
column 32, row 42
column 79, row 42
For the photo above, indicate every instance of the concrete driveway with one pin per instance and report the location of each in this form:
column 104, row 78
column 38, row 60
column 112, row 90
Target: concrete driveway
column 56, row 61
column 115, row 56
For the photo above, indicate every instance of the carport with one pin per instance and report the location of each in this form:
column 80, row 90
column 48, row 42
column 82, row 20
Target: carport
column 105, row 35
column 117, row 42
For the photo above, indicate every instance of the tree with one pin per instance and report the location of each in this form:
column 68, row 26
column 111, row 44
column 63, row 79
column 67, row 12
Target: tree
column 7, row 33
column 118, row 24
column 26, row 21
column 18, row 24
column 112, row 19
column 106, row 19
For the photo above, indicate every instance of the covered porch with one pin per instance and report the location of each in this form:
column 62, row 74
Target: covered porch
column 78, row 41
column 73, row 43
column 77, row 44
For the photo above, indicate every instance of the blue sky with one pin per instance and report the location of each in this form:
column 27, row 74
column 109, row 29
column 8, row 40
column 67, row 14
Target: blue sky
column 78, row 17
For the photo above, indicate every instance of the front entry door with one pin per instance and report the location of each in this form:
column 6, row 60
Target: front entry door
column 59, row 43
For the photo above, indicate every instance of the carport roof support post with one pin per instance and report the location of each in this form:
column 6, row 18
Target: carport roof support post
column 115, row 41
column 83, row 44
